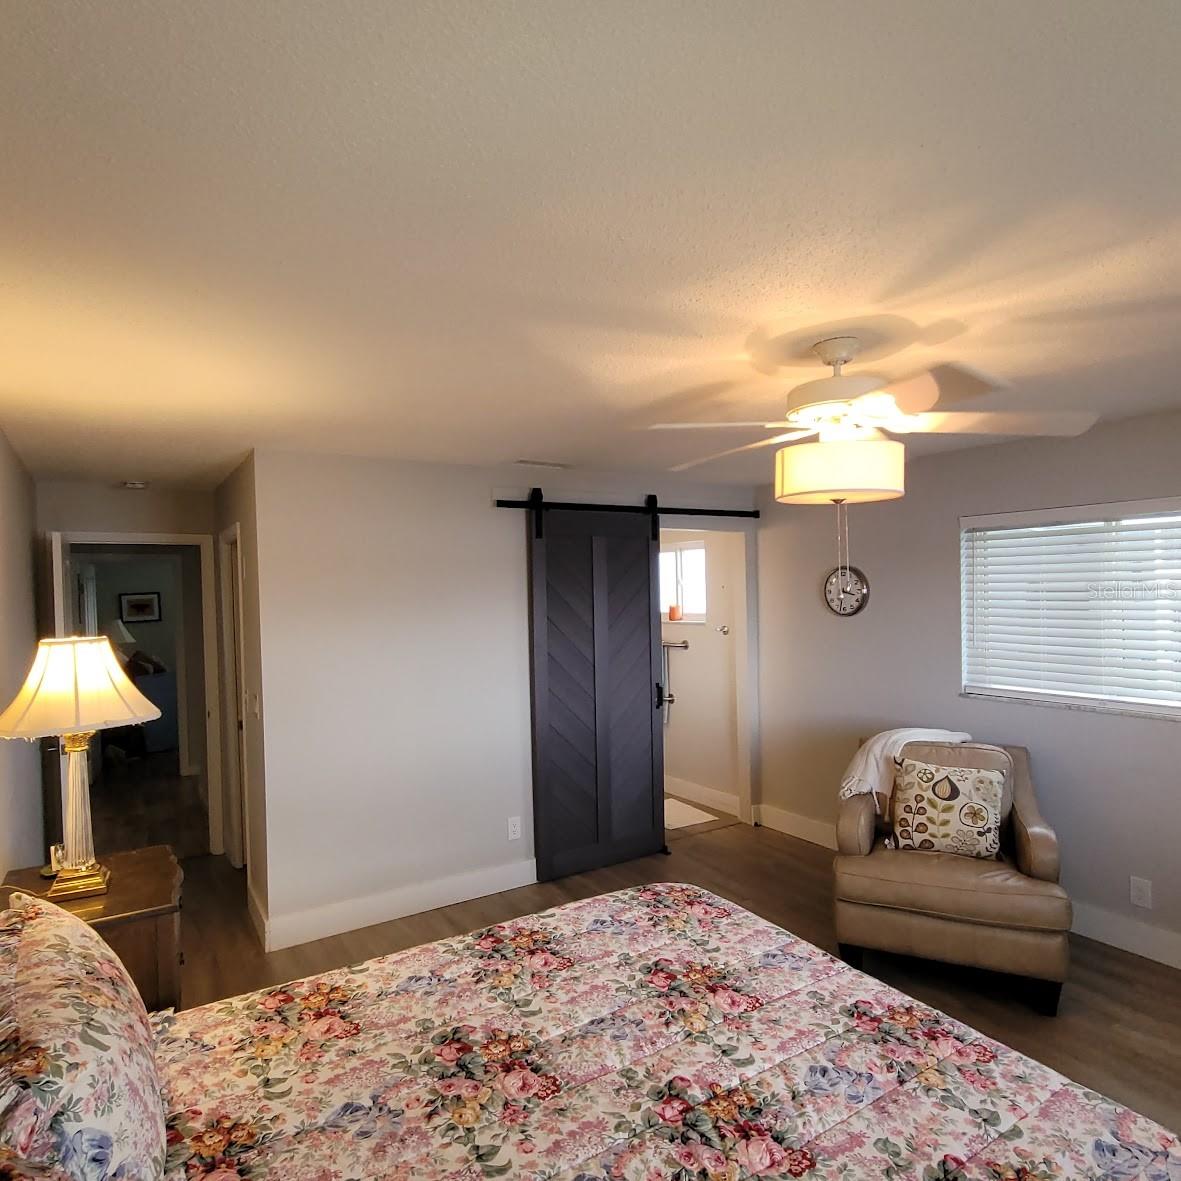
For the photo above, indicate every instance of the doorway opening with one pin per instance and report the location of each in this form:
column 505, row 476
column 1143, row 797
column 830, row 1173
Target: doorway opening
column 705, row 620
column 152, row 595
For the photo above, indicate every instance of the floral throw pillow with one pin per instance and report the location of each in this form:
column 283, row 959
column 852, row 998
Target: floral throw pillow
column 947, row 809
column 79, row 1088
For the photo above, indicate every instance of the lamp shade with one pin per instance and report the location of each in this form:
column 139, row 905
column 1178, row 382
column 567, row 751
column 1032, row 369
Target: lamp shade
column 851, row 470
column 118, row 633
column 75, row 685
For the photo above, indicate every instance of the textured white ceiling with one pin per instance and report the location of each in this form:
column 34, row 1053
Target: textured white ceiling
column 484, row 231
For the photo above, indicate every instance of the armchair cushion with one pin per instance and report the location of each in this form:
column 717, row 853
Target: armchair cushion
column 945, row 885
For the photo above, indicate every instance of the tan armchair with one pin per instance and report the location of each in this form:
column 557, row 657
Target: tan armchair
column 1008, row 915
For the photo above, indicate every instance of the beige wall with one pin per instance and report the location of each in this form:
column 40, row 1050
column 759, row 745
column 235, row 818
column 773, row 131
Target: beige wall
column 1110, row 785
column 86, row 506
column 394, row 625
column 701, row 737
column 20, row 766
column 235, row 504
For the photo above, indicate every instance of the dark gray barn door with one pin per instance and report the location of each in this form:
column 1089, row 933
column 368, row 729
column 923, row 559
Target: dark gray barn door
column 598, row 757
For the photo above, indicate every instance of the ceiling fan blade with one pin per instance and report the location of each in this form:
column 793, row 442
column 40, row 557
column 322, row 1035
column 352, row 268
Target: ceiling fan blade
column 715, row 426
column 788, row 437
column 1051, row 422
column 943, row 385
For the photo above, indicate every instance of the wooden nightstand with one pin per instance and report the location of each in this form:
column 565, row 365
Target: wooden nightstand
column 139, row 916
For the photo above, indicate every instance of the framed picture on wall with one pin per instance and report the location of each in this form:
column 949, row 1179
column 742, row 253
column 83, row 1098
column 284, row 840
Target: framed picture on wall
column 140, row 607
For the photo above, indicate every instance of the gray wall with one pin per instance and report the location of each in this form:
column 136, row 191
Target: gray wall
column 1110, row 785
column 20, row 766
column 394, row 647
column 84, row 505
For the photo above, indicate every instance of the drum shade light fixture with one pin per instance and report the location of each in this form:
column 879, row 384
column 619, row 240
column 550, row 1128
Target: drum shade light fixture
column 848, row 471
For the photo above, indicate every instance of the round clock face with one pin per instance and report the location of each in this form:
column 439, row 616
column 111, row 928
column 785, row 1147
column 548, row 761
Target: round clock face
column 846, row 590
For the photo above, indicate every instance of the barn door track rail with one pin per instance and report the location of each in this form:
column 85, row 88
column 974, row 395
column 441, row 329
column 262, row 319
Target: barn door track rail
column 538, row 505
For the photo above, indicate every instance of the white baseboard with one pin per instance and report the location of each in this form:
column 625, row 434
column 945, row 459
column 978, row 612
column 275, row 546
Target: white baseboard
column 697, row 793
column 286, row 930
column 258, row 914
column 818, row 832
column 1128, row 934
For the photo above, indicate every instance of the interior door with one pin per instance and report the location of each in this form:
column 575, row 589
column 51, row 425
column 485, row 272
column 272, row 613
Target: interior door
column 598, row 758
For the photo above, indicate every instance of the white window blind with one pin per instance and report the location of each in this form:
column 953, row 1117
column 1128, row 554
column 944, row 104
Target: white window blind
column 1080, row 607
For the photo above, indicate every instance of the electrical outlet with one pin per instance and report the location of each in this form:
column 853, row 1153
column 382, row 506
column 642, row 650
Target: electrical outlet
column 514, row 828
column 1141, row 892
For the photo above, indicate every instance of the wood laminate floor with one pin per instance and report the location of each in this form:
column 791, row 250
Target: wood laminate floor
column 147, row 801
column 1119, row 1029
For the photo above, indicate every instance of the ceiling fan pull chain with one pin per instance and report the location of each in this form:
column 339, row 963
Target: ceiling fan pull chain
column 843, row 559
column 845, row 521
column 845, row 533
column 840, row 576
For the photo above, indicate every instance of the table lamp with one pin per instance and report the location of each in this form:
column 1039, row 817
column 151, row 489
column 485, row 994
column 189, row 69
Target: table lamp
column 74, row 688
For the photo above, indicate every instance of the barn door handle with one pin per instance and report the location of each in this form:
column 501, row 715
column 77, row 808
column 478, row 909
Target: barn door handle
column 660, row 696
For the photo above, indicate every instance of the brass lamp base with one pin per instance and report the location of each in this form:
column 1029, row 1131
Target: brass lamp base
column 84, row 882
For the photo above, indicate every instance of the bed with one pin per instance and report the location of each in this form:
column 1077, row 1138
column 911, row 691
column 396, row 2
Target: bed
column 660, row 1032
column 657, row 1032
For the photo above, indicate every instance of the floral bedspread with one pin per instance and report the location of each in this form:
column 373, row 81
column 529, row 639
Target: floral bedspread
column 656, row 1033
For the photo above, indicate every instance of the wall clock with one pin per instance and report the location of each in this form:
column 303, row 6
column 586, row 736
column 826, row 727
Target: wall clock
column 846, row 590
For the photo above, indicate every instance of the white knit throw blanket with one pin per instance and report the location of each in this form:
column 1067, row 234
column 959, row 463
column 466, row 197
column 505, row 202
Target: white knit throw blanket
column 872, row 768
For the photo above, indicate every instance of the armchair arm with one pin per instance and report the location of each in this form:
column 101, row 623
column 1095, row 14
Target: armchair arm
column 1035, row 842
column 856, row 823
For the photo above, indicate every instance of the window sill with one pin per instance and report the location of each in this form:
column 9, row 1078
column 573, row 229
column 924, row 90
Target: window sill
column 1089, row 707
column 678, row 622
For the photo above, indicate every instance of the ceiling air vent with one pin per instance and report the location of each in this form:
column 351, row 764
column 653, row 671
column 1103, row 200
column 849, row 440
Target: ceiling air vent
column 547, row 463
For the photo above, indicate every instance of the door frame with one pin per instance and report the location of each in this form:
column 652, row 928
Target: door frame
column 746, row 655
column 213, row 741
column 233, row 650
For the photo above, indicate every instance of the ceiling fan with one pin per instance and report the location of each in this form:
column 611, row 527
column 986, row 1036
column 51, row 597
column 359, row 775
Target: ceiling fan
column 851, row 406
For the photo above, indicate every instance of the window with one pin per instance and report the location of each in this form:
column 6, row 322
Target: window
column 682, row 579
column 1075, row 606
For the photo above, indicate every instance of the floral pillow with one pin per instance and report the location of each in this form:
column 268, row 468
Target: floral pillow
column 947, row 809
column 79, row 1089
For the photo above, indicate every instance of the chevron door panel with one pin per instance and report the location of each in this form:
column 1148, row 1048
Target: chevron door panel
column 598, row 759
column 571, row 770
column 630, row 688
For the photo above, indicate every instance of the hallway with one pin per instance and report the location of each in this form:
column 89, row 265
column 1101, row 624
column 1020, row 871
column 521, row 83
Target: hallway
column 146, row 801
